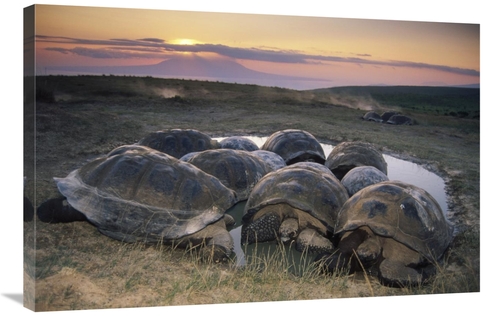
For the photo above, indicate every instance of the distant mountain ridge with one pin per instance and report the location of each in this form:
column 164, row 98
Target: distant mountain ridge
column 185, row 66
column 191, row 66
column 470, row 86
column 383, row 89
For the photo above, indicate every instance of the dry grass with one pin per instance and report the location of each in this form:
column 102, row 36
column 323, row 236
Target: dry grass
column 140, row 275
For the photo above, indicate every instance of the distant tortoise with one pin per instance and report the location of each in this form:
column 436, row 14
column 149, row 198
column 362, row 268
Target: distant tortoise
column 361, row 177
column 238, row 170
column 399, row 119
column 238, row 142
column 178, row 142
column 387, row 115
column 372, row 116
column 295, row 146
column 298, row 202
column 137, row 194
column 395, row 228
column 348, row 155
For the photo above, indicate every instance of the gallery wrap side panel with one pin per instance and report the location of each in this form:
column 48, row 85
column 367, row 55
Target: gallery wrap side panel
column 29, row 158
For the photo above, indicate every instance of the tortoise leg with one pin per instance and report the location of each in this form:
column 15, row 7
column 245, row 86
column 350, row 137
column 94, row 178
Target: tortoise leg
column 397, row 274
column 364, row 243
column 219, row 243
column 334, row 262
column 370, row 249
column 342, row 258
column 264, row 228
column 229, row 220
column 311, row 240
column 397, row 269
column 289, row 229
column 58, row 210
column 351, row 240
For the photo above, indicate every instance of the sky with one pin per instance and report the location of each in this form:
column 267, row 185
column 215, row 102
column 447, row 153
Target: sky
column 291, row 51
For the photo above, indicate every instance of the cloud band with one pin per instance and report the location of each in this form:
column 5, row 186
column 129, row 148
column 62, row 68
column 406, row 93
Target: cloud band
column 157, row 48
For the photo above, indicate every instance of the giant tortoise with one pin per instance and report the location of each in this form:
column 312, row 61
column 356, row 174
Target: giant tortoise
column 238, row 142
column 348, row 155
column 295, row 146
column 297, row 202
column 360, row 177
column 372, row 116
column 239, row 170
column 178, row 142
column 138, row 194
column 399, row 119
column 272, row 159
column 396, row 229
column 387, row 115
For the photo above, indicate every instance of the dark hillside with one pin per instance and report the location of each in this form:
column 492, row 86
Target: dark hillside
column 463, row 102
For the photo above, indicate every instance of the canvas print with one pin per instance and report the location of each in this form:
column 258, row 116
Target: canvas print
column 185, row 158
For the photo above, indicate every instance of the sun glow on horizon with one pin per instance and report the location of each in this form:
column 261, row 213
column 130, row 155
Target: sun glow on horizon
column 185, row 41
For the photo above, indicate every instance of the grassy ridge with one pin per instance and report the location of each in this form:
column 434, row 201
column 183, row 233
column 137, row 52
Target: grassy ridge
column 463, row 102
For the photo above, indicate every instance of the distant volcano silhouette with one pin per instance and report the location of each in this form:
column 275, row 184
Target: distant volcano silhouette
column 185, row 66
column 199, row 66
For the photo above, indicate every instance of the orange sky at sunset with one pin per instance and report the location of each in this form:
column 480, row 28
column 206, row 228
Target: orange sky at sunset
column 387, row 52
column 306, row 52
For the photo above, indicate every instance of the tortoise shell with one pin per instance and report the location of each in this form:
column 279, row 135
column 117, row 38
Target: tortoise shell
column 137, row 193
column 372, row 116
column 387, row 115
column 295, row 146
column 178, row 142
column 399, row 119
column 307, row 186
column 361, row 177
column 237, row 169
column 273, row 160
column 238, row 142
column 404, row 212
column 348, row 155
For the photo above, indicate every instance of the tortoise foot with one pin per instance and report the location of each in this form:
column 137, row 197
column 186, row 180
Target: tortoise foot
column 396, row 274
column 263, row 229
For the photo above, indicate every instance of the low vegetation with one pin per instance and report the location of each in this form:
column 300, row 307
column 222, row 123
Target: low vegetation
column 81, row 117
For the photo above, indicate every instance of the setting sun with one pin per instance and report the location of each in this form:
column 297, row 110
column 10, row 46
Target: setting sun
column 185, row 41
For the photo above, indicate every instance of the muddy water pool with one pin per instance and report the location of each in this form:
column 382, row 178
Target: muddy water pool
column 397, row 169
